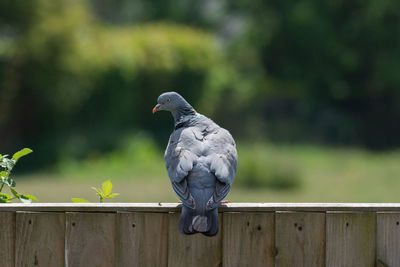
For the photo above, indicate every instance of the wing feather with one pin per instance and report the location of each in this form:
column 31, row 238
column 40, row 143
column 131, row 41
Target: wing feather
column 179, row 162
column 223, row 164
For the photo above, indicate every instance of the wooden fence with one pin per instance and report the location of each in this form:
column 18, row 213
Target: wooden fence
column 251, row 234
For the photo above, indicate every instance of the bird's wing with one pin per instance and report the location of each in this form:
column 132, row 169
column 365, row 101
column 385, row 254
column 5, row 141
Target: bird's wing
column 179, row 162
column 223, row 163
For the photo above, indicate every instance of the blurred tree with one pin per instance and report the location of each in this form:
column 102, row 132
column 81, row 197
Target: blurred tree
column 315, row 71
column 78, row 86
column 79, row 76
column 330, row 69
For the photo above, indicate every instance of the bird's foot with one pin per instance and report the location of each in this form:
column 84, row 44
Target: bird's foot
column 225, row 202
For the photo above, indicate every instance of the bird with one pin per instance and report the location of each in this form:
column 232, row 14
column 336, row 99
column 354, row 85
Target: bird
column 201, row 162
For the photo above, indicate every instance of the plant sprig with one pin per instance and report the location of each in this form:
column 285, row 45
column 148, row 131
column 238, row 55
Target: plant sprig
column 105, row 192
column 7, row 164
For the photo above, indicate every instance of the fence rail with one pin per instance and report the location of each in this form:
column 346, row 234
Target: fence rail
column 251, row 234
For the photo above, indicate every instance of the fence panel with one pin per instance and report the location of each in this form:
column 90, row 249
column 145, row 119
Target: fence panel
column 7, row 239
column 388, row 238
column 90, row 239
column 300, row 239
column 142, row 239
column 185, row 250
column 248, row 239
column 40, row 239
column 251, row 234
column 350, row 239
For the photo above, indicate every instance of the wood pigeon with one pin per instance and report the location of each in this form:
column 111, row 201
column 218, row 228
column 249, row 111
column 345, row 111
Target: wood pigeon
column 201, row 161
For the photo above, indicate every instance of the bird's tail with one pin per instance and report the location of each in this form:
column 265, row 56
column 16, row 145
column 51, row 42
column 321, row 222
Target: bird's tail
column 192, row 223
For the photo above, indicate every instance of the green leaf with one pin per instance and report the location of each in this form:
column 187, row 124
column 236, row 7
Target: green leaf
column 21, row 153
column 14, row 192
column 80, row 200
column 10, row 182
column 3, row 174
column 4, row 200
column 29, row 197
column 98, row 191
column 7, row 163
column 5, row 196
column 112, row 195
column 10, row 164
column 107, row 187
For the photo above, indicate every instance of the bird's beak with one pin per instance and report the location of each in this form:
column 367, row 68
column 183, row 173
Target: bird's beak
column 156, row 108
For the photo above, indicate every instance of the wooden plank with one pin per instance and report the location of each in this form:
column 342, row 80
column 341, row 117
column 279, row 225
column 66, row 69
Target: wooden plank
column 248, row 239
column 350, row 239
column 7, row 239
column 388, row 239
column 142, row 239
column 175, row 207
column 300, row 239
column 90, row 239
column 40, row 239
column 187, row 250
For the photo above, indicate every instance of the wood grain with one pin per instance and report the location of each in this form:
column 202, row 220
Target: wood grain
column 192, row 250
column 388, row 239
column 300, row 239
column 248, row 239
column 40, row 239
column 350, row 239
column 355, row 237
column 142, row 239
column 90, row 239
column 7, row 239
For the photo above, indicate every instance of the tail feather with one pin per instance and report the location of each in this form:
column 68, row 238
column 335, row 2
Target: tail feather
column 192, row 223
column 199, row 223
column 185, row 221
column 213, row 224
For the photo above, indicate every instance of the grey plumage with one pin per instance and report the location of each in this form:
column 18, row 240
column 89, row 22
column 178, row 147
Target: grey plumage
column 201, row 161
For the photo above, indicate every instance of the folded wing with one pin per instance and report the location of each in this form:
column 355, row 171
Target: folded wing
column 223, row 163
column 179, row 163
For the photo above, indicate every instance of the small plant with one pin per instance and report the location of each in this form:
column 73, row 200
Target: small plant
column 7, row 164
column 105, row 192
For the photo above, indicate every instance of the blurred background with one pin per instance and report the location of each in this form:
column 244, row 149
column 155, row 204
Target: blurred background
column 308, row 88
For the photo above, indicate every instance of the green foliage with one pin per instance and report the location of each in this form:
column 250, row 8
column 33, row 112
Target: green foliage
column 319, row 73
column 7, row 165
column 81, row 70
column 295, row 71
column 259, row 168
column 80, row 200
column 21, row 153
column 105, row 192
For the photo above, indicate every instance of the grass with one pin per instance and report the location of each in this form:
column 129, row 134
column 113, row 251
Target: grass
column 320, row 174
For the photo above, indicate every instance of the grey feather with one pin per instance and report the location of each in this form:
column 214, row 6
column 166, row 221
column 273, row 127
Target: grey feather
column 201, row 162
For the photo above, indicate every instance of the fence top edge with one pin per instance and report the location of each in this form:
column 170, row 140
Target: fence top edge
column 229, row 207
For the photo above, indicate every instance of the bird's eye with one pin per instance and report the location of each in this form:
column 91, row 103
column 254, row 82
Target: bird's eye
column 168, row 99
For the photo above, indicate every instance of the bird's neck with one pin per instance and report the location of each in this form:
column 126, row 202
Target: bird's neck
column 183, row 113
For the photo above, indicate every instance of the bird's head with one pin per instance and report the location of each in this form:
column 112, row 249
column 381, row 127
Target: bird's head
column 171, row 101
